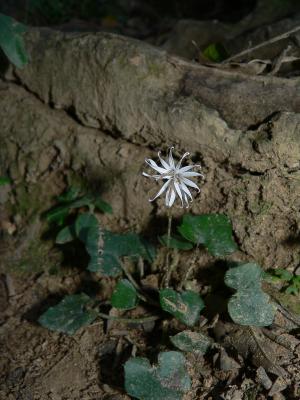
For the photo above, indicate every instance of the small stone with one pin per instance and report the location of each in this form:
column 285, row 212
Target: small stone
column 227, row 363
column 263, row 379
column 279, row 385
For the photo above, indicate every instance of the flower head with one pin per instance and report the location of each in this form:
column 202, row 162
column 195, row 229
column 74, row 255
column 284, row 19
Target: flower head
column 176, row 179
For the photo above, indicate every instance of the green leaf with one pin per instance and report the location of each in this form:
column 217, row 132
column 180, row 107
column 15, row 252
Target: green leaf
column 11, row 40
column 4, row 180
column 124, row 296
column 175, row 243
column 84, row 222
column 244, row 276
column 67, row 234
column 70, row 195
column 168, row 381
column 113, row 246
column 185, row 306
column 214, row 231
column 69, row 315
column 215, row 52
column 251, row 307
column 191, row 342
column 106, row 248
column 57, row 215
column 283, row 274
column 101, row 205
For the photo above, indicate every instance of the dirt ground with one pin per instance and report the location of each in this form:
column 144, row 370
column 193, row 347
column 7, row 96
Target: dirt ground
column 125, row 100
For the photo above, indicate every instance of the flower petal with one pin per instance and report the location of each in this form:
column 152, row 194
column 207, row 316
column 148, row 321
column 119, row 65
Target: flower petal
column 171, row 159
column 157, row 177
column 186, row 190
column 190, row 174
column 177, row 187
column 180, row 161
column 188, row 167
column 153, row 165
column 163, row 162
column 162, row 189
column 190, row 183
column 172, row 198
column 186, row 200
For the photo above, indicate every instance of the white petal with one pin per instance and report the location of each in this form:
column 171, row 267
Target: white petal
column 190, row 174
column 186, row 200
column 163, row 188
column 157, row 177
column 171, row 159
column 163, row 162
column 185, row 189
column 153, row 165
column 190, row 183
column 179, row 163
column 188, row 167
column 171, row 198
column 167, row 198
column 176, row 185
column 151, row 176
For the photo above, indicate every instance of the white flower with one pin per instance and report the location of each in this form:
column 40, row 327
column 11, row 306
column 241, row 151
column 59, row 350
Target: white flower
column 176, row 177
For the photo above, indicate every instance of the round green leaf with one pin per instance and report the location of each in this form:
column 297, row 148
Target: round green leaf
column 214, row 231
column 124, row 296
column 69, row 315
column 251, row 307
column 244, row 276
column 185, row 306
column 168, row 381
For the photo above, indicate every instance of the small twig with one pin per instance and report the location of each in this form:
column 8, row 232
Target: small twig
column 275, row 39
column 191, row 268
column 140, row 295
column 171, row 268
column 141, row 267
column 133, row 282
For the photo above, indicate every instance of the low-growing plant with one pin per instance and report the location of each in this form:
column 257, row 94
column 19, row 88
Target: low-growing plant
column 109, row 254
column 11, row 41
column 290, row 283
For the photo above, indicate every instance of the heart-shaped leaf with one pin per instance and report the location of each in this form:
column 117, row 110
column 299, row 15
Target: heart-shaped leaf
column 106, row 248
column 114, row 246
column 244, row 276
column 191, row 341
column 185, row 306
column 124, row 296
column 251, row 307
column 168, row 381
column 11, row 40
column 214, row 231
column 69, row 315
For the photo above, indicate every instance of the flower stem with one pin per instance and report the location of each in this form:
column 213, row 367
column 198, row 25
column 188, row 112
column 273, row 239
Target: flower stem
column 167, row 274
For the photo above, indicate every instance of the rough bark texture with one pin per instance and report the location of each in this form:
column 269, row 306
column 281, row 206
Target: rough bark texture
column 97, row 104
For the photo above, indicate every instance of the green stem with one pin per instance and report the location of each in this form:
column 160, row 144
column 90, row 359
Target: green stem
column 168, row 272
